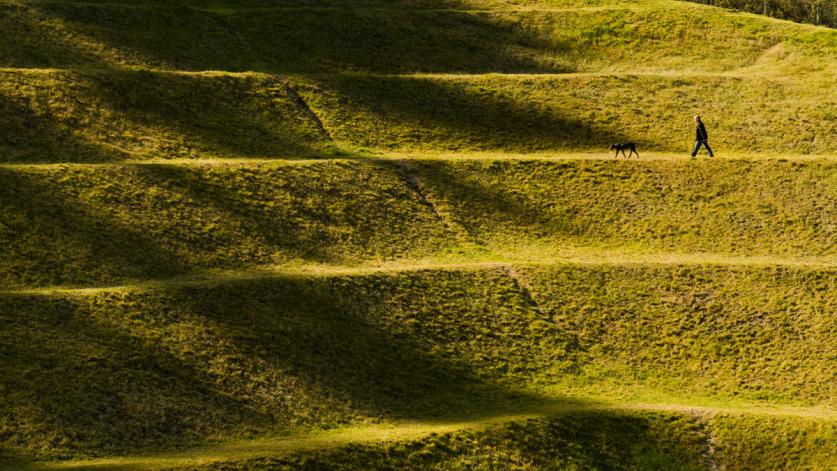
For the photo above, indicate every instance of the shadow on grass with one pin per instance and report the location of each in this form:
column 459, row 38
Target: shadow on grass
column 278, row 230
column 168, row 115
column 319, row 213
column 130, row 372
column 447, row 113
column 562, row 440
column 99, row 116
column 27, row 135
column 484, row 210
column 51, row 238
column 77, row 385
column 107, row 225
column 295, row 40
column 33, row 40
column 223, row 116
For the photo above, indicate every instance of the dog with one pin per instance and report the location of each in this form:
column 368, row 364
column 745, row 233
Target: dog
column 622, row 147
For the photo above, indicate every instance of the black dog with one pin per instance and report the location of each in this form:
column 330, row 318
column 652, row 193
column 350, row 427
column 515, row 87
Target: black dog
column 622, row 147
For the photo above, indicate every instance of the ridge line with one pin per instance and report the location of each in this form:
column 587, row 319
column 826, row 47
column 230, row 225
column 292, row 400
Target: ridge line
column 343, row 9
column 733, row 73
column 293, row 271
column 399, row 431
column 582, row 155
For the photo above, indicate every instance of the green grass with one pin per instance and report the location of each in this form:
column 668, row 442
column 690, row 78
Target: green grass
column 100, row 225
column 101, row 116
column 110, row 224
column 556, row 437
column 574, row 441
column 589, row 440
column 776, row 443
column 387, row 234
column 535, row 113
column 687, row 330
column 728, row 207
column 647, row 35
column 110, row 101
column 172, row 366
column 180, row 364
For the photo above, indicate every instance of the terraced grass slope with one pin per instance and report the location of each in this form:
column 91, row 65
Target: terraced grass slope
column 130, row 86
column 392, row 37
column 110, row 224
column 386, row 234
column 176, row 364
column 586, row 440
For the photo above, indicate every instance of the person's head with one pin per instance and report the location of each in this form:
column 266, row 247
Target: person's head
column 697, row 118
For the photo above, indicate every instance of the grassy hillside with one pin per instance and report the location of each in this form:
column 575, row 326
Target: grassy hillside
column 99, row 116
column 240, row 235
column 532, row 112
column 693, row 329
column 157, row 367
column 774, row 443
column 731, row 207
column 109, row 224
column 106, row 224
column 589, row 440
column 619, row 36
column 111, row 102
column 575, row 441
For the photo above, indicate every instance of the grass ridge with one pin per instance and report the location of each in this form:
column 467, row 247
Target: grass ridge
column 392, row 432
column 293, row 271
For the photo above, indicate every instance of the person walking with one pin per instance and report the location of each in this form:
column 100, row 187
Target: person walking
column 701, row 138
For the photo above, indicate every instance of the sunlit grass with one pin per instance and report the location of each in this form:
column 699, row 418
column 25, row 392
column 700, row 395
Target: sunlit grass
column 451, row 273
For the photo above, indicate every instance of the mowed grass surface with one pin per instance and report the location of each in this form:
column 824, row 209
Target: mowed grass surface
column 100, row 225
column 154, row 368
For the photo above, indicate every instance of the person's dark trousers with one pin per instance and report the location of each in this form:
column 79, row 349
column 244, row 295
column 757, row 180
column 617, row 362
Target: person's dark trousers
column 702, row 143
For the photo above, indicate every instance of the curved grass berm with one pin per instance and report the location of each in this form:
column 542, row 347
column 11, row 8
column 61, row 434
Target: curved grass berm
column 387, row 234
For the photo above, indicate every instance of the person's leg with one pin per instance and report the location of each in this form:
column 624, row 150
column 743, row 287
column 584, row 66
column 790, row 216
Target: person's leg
column 709, row 149
column 697, row 148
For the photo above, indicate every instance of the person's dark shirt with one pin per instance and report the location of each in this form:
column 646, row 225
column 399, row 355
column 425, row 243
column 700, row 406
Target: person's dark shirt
column 700, row 132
